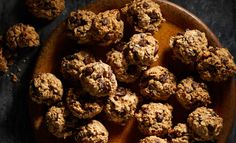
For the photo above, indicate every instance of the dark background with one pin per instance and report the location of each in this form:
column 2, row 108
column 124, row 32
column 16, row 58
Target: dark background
column 219, row 15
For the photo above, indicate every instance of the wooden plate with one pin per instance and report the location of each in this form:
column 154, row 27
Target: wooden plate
column 178, row 19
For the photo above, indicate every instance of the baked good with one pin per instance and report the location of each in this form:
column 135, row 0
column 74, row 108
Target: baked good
column 157, row 83
column 121, row 106
column 154, row 119
column 179, row 134
column 82, row 105
column 152, row 139
column 218, row 66
column 21, row 36
column 46, row 88
column 92, row 132
column 144, row 15
column 72, row 65
column 98, row 79
column 205, row 124
column 79, row 24
column 46, row 9
column 192, row 94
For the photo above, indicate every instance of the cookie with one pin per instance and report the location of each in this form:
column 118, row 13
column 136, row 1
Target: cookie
column 157, row 83
column 98, row 79
column 92, row 132
column 179, row 134
column 72, row 65
column 144, row 15
column 21, row 36
column 79, row 24
column 46, row 88
column 154, row 119
column 82, row 105
column 190, row 46
column 218, row 66
column 205, row 124
column 152, row 139
column 121, row 106
column 192, row 94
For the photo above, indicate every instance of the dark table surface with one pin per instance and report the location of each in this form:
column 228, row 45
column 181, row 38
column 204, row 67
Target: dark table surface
column 219, row 15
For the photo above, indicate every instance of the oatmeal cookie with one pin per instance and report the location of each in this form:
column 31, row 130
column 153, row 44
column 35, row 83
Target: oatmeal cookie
column 98, row 79
column 157, row 83
column 205, row 124
column 46, row 9
column 72, row 65
column 108, row 27
column 93, row 132
column 142, row 49
column 145, row 15
column 189, row 47
column 21, row 36
column 121, row 106
column 46, row 88
column 79, row 24
column 218, row 66
column 192, row 94
column 154, row 119
column 125, row 72
column 82, row 105
column 179, row 134
column 152, row 139
column 59, row 122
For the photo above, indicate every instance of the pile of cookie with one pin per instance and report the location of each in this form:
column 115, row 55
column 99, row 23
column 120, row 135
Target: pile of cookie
column 103, row 87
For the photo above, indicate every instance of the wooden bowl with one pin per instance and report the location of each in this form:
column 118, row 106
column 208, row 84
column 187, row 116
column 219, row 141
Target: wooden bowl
column 178, row 19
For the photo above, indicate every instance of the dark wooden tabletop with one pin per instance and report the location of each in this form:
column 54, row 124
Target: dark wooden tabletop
column 219, row 15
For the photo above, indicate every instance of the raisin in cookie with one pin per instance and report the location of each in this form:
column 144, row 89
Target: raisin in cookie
column 46, row 9
column 21, row 36
column 192, row 94
column 152, row 139
column 179, row 134
column 218, row 66
column 205, row 124
column 121, row 106
column 72, row 65
column 108, row 27
column 157, row 83
column 92, row 132
column 144, row 15
column 154, row 119
column 79, row 24
column 46, row 88
column 189, row 47
column 98, row 79
column 142, row 49
column 82, row 105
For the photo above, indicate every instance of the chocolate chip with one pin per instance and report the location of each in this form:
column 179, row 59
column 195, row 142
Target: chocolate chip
column 120, row 47
column 88, row 71
column 136, row 56
column 224, row 61
column 81, row 22
column 87, row 60
column 105, row 86
column 163, row 78
column 154, row 17
column 118, row 17
column 210, row 128
column 159, row 118
column 104, row 21
column 109, row 36
column 121, row 91
column 151, row 87
column 132, row 69
column 146, row 5
column 156, row 51
column 143, row 43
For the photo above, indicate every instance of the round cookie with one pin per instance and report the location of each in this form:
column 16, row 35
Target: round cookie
column 142, row 49
column 144, row 15
column 21, row 36
column 82, row 105
column 59, row 122
column 121, row 106
column 179, row 134
column 93, row 132
column 218, row 66
column 189, row 47
column 46, row 88
column 154, row 119
column 125, row 72
column 79, row 24
column 152, row 139
column 205, row 124
column 192, row 94
column 72, row 65
column 46, row 9
column 98, row 79
column 108, row 28
column 157, row 83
